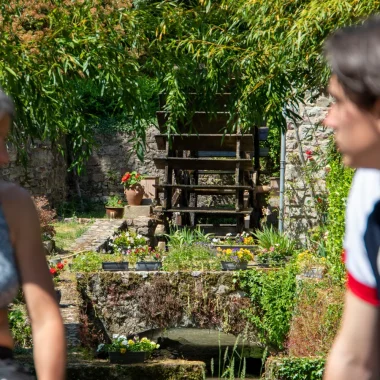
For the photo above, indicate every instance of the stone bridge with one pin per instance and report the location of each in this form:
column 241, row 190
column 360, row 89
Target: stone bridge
column 132, row 303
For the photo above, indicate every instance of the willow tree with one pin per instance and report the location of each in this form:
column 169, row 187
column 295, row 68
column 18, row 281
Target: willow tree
column 50, row 50
column 271, row 48
column 267, row 53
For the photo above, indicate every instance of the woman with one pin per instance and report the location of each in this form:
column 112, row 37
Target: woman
column 22, row 261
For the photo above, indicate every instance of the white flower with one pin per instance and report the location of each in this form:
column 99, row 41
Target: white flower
column 215, row 240
column 115, row 336
column 124, row 343
column 131, row 240
column 139, row 236
column 229, row 234
column 122, row 337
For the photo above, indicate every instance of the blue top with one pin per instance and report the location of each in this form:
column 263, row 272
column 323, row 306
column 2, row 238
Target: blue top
column 9, row 278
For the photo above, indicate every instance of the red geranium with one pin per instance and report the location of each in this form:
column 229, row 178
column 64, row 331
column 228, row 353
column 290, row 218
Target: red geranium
column 130, row 179
column 60, row 266
column 53, row 271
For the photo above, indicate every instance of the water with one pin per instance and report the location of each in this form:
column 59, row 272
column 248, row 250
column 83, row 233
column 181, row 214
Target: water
column 206, row 345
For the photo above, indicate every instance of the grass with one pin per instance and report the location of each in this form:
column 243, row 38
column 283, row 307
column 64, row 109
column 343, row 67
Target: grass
column 67, row 233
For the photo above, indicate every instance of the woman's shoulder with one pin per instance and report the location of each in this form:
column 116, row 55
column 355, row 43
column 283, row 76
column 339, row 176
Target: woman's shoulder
column 12, row 192
column 15, row 202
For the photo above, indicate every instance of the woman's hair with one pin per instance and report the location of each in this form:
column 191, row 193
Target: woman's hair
column 354, row 56
column 6, row 105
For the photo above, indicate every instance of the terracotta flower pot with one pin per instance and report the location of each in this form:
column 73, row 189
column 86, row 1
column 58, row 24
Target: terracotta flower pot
column 134, row 195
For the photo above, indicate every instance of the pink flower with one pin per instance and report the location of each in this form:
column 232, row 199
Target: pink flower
column 271, row 249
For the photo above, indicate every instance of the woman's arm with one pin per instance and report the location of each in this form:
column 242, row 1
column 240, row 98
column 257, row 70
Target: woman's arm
column 47, row 327
column 355, row 353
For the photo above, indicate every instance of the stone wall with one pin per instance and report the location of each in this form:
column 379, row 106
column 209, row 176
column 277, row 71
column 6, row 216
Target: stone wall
column 112, row 157
column 134, row 302
column 45, row 173
column 305, row 172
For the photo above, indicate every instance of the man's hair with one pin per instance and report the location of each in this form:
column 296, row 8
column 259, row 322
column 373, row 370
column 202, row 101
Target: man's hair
column 354, row 56
column 6, row 105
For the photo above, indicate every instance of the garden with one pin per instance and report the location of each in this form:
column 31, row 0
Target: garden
column 280, row 293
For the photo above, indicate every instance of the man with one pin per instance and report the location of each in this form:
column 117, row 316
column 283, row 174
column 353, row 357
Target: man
column 354, row 56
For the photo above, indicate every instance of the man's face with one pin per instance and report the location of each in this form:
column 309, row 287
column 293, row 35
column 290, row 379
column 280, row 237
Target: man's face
column 357, row 130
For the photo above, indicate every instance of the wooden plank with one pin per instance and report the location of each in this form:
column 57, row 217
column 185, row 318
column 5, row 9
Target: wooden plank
column 206, row 142
column 218, row 229
column 202, row 163
column 191, row 187
column 209, row 210
column 211, row 172
column 209, row 153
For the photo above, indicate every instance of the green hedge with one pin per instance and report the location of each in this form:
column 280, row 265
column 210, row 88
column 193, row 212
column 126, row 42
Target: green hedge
column 290, row 368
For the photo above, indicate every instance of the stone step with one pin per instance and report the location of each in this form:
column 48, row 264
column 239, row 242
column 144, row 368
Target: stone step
column 79, row 368
column 96, row 235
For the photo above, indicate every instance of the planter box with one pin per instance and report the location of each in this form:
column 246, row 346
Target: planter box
column 148, row 265
column 109, row 266
column 127, row 358
column 229, row 265
column 114, row 212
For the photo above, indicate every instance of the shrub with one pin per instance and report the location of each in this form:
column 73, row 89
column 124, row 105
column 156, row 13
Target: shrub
column 338, row 183
column 316, row 318
column 195, row 257
column 20, row 326
column 187, row 236
column 273, row 246
column 92, row 261
column 272, row 296
column 46, row 216
column 296, row 368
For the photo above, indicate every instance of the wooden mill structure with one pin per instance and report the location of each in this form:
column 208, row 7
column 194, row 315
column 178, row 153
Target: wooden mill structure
column 207, row 152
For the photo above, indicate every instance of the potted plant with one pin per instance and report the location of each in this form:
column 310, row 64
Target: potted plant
column 55, row 270
column 133, row 190
column 115, row 266
column 273, row 248
column 234, row 259
column 114, row 207
column 148, row 259
column 128, row 351
column 231, row 241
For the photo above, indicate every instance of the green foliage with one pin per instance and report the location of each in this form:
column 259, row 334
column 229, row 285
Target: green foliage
column 230, row 363
column 92, row 261
column 56, row 55
column 191, row 257
column 126, row 240
column 115, row 201
column 186, row 236
column 338, row 184
column 272, row 296
column 68, row 64
column 273, row 247
column 20, row 326
column 120, row 343
column 68, row 232
column 300, row 368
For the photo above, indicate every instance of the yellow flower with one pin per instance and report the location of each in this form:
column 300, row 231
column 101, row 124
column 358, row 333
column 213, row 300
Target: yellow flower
column 144, row 339
column 219, row 249
column 229, row 251
column 131, row 342
column 123, row 350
